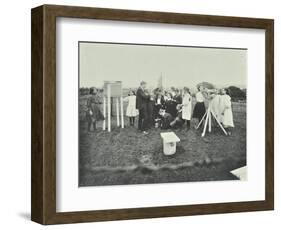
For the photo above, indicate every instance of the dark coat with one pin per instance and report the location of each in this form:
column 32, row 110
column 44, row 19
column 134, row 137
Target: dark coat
column 171, row 107
column 142, row 99
column 178, row 99
column 93, row 110
column 162, row 101
column 166, row 120
column 157, row 107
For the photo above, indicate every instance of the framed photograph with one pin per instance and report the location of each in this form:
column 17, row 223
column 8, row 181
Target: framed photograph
column 139, row 114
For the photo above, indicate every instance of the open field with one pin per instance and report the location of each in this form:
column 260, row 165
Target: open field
column 126, row 156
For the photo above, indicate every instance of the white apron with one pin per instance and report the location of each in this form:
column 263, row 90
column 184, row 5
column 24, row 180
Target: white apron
column 187, row 107
column 227, row 118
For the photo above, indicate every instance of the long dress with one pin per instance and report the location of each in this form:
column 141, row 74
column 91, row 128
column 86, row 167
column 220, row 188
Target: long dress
column 150, row 115
column 187, row 107
column 131, row 110
column 199, row 109
column 227, row 117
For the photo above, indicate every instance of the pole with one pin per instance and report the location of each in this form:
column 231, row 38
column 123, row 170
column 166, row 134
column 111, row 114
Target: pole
column 104, row 113
column 117, row 112
column 201, row 120
column 109, row 107
column 206, row 122
column 210, row 123
column 122, row 112
column 219, row 124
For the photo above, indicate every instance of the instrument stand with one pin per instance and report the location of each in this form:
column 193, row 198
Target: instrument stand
column 208, row 121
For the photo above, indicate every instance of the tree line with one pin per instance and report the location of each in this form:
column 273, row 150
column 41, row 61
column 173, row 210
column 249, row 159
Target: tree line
column 236, row 93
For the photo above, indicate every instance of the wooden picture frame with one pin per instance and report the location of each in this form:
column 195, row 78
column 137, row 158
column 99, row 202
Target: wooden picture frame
column 43, row 202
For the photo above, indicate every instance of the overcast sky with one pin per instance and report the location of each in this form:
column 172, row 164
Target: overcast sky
column 179, row 66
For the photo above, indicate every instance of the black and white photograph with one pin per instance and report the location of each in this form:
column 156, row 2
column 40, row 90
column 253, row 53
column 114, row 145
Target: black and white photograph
column 157, row 113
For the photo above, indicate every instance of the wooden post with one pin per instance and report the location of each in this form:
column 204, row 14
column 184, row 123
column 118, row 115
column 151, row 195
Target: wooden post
column 104, row 113
column 201, row 120
column 206, row 122
column 222, row 128
column 117, row 112
column 122, row 112
column 109, row 108
column 210, row 122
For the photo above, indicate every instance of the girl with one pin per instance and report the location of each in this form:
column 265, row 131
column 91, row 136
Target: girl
column 199, row 109
column 131, row 111
column 170, row 105
column 227, row 116
column 186, row 106
column 177, row 97
column 159, row 104
column 166, row 119
column 93, row 113
column 216, row 105
column 184, row 110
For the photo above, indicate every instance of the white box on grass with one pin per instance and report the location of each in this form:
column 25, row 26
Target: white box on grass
column 170, row 140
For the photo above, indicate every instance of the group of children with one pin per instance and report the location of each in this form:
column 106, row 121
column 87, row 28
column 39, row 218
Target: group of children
column 171, row 109
column 220, row 103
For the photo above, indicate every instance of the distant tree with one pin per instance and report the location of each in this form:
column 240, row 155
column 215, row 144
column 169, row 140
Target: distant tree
column 84, row 91
column 206, row 85
column 236, row 93
column 245, row 91
column 91, row 90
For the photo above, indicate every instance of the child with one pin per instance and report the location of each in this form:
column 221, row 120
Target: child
column 186, row 106
column 227, row 116
column 199, row 109
column 131, row 111
column 216, row 105
column 171, row 105
column 177, row 121
column 183, row 110
column 93, row 113
column 159, row 104
column 166, row 119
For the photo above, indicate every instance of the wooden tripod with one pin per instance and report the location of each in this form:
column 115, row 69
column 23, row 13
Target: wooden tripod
column 208, row 121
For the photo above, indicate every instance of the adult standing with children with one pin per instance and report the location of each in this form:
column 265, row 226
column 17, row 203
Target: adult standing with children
column 142, row 105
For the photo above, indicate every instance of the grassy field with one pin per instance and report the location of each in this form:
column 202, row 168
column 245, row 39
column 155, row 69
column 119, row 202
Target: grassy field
column 126, row 156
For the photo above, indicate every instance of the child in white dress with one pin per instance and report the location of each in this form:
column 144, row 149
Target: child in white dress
column 227, row 116
column 186, row 107
column 131, row 110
